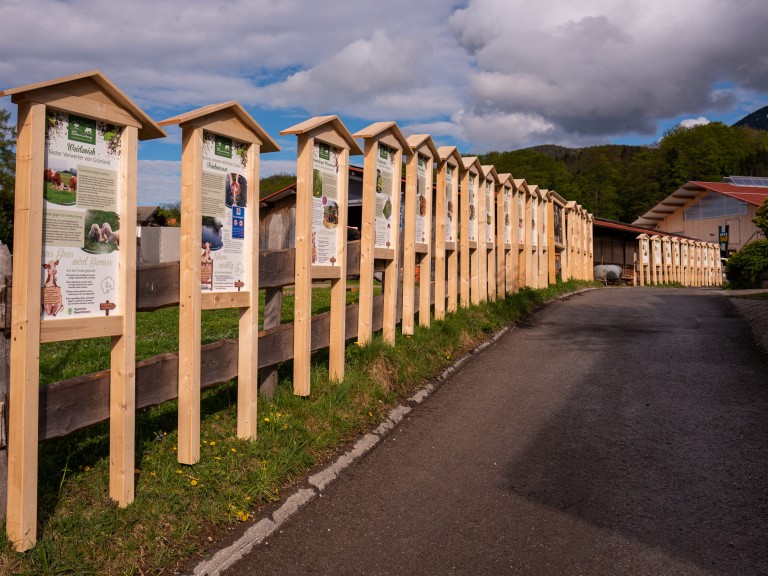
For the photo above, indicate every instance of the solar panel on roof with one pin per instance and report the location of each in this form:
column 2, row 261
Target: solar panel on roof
column 756, row 181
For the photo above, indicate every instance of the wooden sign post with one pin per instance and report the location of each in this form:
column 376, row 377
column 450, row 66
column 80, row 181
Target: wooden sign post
column 697, row 264
column 543, row 238
column 322, row 176
column 685, row 261
column 384, row 148
column 518, row 208
column 644, row 259
column 76, row 174
column 676, row 259
column 417, row 233
column 667, row 258
column 219, row 268
column 656, row 259
column 504, row 267
column 446, row 231
column 488, row 265
column 469, row 261
column 557, row 236
column 532, row 246
column 590, row 246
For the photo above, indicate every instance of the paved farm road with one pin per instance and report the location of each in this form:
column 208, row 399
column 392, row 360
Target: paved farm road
column 623, row 431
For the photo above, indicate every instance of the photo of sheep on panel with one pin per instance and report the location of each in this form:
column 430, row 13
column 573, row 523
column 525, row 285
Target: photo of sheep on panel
column 102, row 232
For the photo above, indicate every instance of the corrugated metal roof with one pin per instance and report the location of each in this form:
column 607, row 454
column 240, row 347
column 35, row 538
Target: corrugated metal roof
column 753, row 195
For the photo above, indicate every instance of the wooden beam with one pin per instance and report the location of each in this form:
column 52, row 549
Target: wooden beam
column 190, row 299
column 21, row 523
column 122, row 385
column 79, row 328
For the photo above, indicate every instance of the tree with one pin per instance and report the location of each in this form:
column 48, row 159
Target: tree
column 761, row 218
column 7, row 177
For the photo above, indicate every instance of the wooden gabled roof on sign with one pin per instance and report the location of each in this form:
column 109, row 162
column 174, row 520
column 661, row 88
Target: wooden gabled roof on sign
column 519, row 183
column 445, row 153
column 318, row 123
column 469, row 162
column 389, row 129
column 89, row 94
column 505, row 178
column 226, row 111
column 418, row 142
column 489, row 171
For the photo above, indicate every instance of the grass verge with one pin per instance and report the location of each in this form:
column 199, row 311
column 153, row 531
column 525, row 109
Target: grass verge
column 180, row 511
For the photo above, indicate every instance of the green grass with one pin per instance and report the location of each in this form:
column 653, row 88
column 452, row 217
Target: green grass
column 178, row 508
column 756, row 296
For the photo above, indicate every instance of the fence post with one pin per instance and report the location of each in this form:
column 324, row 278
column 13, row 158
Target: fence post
column 5, row 345
column 273, row 305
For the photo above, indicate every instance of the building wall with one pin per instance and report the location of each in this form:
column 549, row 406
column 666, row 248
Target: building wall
column 742, row 229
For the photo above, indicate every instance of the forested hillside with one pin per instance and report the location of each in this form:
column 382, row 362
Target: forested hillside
column 622, row 182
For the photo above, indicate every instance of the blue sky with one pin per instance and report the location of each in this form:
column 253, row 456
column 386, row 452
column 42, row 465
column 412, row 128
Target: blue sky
column 480, row 74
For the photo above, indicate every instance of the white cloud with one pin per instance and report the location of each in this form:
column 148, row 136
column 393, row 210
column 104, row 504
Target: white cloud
column 562, row 72
column 691, row 122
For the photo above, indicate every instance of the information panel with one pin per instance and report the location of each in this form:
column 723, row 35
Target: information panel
column 520, row 220
column 534, row 220
column 81, row 227
column 472, row 208
column 507, row 224
column 644, row 244
column 325, row 204
column 385, row 173
column 421, row 200
column 449, row 227
column 489, row 206
column 225, row 202
column 657, row 252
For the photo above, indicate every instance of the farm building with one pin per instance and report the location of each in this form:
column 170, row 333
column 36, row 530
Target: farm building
column 700, row 209
column 616, row 242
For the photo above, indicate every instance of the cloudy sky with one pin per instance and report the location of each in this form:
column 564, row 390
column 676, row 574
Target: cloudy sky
column 481, row 74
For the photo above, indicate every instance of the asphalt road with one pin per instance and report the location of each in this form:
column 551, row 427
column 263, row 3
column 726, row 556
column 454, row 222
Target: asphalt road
column 621, row 432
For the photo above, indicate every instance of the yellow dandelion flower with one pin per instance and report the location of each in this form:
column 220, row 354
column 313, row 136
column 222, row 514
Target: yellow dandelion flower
column 242, row 516
column 233, row 449
column 266, row 419
column 212, row 443
column 178, row 472
column 87, row 468
column 194, row 482
column 217, row 457
column 153, row 473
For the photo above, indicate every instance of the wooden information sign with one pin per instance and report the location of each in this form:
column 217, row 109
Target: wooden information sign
column 417, row 232
column 488, row 260
column 532, row 246
column 384, row 148
column 656, row 259
column 504, row 235
column 644, row 260
column 76, row 174
column 221, row 147
column 557, row 236
column 322, row 176
column 543, row 238
column 518, row 207
column 470, row 258
column 446, row 231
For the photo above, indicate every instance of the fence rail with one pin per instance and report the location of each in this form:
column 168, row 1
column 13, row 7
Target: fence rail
column 79, row 402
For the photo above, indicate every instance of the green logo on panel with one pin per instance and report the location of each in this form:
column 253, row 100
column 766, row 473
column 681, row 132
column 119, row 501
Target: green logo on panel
column 324, row 151
column 81, row 130
column 223, row 147
column 383, row 152
column 422, row 161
